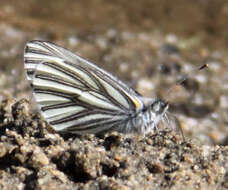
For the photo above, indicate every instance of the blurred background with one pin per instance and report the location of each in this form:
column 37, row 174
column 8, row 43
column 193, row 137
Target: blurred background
column 149, row 44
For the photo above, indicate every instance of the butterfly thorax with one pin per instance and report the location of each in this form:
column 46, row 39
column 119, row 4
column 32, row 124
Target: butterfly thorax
column 148, row 117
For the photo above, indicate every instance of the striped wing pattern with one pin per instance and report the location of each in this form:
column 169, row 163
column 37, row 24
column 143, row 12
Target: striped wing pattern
column 75, row 95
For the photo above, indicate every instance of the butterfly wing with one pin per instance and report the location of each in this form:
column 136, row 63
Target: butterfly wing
column 75, row 95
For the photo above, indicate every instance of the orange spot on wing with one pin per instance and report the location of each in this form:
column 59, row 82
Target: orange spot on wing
column 137, row 104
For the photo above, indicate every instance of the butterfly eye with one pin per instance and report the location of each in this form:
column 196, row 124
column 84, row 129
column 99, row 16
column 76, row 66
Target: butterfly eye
column 159, row 106
column 156, row 107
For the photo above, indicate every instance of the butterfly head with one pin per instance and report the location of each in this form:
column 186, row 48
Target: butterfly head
column 156, row 111
column 159, row 107
column 153, row 112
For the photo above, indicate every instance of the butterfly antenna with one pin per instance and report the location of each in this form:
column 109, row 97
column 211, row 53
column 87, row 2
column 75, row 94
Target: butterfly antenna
column 186, row 77
column 178, row 84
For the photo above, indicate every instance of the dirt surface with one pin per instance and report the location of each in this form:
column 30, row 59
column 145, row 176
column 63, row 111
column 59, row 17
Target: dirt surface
column 151, row 46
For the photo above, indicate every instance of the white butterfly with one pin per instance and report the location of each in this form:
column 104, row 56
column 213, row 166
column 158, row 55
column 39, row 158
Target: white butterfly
column 76, row 96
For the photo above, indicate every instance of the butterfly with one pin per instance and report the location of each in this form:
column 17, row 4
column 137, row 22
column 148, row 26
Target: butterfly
column 76, row 96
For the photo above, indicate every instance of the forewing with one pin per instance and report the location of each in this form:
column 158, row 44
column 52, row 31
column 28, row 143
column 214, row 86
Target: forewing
column 74, row 94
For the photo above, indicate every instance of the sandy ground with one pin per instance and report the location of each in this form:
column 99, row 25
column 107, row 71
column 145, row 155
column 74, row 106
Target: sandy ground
column 149, row 45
